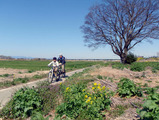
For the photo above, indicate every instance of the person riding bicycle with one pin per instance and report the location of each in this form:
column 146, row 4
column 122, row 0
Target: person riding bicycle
column 55, row 65
column 62, row 62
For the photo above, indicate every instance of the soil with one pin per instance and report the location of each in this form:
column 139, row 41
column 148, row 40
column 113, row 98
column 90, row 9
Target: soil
column 152, row 79
column 17, row 73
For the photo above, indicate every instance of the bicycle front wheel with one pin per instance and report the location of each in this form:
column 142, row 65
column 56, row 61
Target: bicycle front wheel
column 50, row 76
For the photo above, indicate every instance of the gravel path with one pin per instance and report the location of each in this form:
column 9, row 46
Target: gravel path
column 6, row 94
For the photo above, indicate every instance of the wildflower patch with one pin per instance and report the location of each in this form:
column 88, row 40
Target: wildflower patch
column 81, row 103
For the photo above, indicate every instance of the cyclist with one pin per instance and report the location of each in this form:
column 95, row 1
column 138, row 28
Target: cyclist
column 62, row 62
column 55, row 65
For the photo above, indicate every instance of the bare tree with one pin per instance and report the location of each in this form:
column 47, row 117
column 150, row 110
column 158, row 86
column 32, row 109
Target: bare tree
column 122, row 24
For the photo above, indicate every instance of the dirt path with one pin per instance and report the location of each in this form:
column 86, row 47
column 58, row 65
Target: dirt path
column 6, row 94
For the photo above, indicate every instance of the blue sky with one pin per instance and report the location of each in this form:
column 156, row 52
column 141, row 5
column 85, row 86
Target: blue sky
column 45, row 28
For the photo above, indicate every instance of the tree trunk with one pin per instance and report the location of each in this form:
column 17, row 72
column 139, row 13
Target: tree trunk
column 123, row 58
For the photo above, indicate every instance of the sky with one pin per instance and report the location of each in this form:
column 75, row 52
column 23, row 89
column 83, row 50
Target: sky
column 47, row 28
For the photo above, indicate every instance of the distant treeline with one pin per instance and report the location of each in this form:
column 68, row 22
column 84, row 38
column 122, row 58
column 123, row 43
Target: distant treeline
column 5, row 57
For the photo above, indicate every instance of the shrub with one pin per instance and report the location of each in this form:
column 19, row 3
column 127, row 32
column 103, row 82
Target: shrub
column 130, row 58
column 127, row 88
column 150, row 109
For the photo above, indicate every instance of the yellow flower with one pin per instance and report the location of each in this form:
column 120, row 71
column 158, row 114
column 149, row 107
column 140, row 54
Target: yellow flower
column 88, row 101
column 94, row 97
column 89, row 98
column 95, row 84
column 99, row 88
column 93, row 88
column 91, row 102
column 99, row 84
column 83, row 90
column 67, row 88
column 85, row 96
column 103, row 88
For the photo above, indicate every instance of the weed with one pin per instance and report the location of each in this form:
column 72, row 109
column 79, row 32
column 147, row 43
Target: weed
column 127, row 88
column 145, row 85
column 117, row 111
column 78, row 102
column 154, row 70
column 99, row 77
column 149, row 90
column 25, row 101
column 38, row 116
column 150, row 109
column 5, row 75
column 143, row 75
column 49, row 95
column 149, row 81
column 20, row 72
column 20, row 80
column 30, row 71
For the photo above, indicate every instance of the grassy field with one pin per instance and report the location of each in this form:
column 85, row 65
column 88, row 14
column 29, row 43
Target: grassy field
column 42, row 65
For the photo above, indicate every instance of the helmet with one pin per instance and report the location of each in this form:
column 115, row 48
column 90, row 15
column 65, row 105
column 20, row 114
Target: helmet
column 60, row 54
column 54, row 58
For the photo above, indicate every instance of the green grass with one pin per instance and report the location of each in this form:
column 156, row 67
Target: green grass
column 5, row 75
column 17, row 81
column 136, row 66
column 118, row 111
column 33, row 65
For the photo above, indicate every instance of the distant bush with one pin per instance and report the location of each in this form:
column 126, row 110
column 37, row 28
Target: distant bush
column 130, row 58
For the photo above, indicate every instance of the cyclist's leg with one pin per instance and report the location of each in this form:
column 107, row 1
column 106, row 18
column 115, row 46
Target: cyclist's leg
column 63, row 69
column 55, row 72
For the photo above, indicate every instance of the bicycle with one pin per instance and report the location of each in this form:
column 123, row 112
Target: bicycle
column 51, row 76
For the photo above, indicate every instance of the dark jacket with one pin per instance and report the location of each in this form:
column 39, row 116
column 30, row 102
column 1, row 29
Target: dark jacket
column 61, row 60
